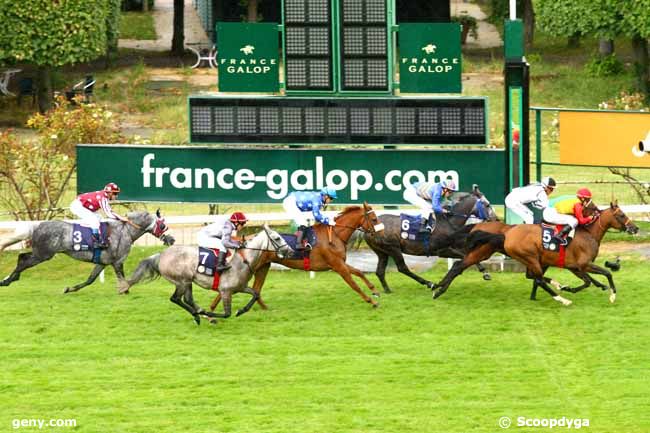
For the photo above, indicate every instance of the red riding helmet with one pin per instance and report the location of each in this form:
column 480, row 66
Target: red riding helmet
column 238, row 217
column 112, row 187
column 583, row 193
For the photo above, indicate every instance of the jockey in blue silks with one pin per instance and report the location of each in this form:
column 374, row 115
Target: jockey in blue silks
column 300, row 204
column 428, row 196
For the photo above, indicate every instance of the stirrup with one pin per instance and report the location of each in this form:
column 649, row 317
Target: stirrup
column 561, row 240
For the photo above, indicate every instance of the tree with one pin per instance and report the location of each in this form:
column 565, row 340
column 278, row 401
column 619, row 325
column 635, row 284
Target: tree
column 51, row 34
column 603, row 19
column 178, row 37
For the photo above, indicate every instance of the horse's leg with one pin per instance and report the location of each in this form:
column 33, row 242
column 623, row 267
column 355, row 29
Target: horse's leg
column 226, row 296
column 258, row 283
column 473, row 257
column 341, row 268
column 250, row 303
column 481, row 269
column 25, row 261
column 382, row 263
column 586, row 281
column 358, row 273
column 122, row 285
column 188, row 298
column 177, row 298
column 537, row 272
column 91, row 279
column 401, row 266
column 595, row 269
column 215, row 302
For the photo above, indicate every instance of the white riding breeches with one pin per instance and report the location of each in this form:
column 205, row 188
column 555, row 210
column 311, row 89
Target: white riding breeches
column 88, row 217
column 426, row 207
column 291, row 208
column 552, row 216
column 521, row 210
column 206, row 241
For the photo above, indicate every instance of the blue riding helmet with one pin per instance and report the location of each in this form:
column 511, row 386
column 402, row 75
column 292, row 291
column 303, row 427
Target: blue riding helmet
column 330, row 192
column 449, row 184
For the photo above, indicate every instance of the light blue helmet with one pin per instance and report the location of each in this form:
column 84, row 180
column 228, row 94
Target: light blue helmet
column 329, row 191
column 449, row 184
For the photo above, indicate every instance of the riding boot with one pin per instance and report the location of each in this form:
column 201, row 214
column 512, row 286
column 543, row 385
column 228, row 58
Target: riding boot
column 561, row 235
column 431, row 222
column 300, row 233
column 98, row 240
column 221, row 261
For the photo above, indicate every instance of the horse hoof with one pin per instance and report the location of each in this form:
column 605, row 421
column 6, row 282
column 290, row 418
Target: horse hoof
column 239, row 313
column 376, row 294
column 66, row 290
column 197, row 319
column 612, row 298
column 431, row 285
column 388, row 291
column 375, row 305
column 212, row 321
column 123, row 292
column 487, row 277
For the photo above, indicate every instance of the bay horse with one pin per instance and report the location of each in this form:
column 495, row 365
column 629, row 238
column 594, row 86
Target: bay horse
column 523, row 243
column 51, row 237
column 330, row 251
column 447, row 240
column 178, row 265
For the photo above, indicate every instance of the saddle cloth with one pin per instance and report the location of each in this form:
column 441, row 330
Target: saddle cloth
column 208, row 261
column 548, row 242
column 410, row 226
column 290, row 239
column 82, row 236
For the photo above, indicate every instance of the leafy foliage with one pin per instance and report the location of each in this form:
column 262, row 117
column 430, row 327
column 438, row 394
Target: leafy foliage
column 604, row 66
column 37, row 172
column 53, row 33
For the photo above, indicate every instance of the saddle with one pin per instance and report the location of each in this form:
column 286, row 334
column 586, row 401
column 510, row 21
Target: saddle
column 309, row 236
column 549, row 242
column 82, row 236
column 411, row 227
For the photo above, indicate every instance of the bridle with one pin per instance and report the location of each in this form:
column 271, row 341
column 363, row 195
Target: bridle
column 366, row 220
column 626, row 223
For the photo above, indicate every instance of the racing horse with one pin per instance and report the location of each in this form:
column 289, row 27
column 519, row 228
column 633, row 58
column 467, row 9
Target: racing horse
column 523, row 243
column 447, row 240
column 51, row 237
column 178, row 265
column 330, row 251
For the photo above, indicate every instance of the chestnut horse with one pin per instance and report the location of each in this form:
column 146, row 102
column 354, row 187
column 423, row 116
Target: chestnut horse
column 523, row 243
column 330, row 251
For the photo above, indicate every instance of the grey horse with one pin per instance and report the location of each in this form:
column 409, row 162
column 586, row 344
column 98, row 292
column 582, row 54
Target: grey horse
column 178, row 265
column 52, row 237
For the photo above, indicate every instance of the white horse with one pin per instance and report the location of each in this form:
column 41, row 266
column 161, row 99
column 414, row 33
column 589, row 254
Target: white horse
column 178, row 265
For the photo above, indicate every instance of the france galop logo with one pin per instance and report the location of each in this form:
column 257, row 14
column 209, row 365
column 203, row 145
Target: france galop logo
column 248, row 49
column 429, row 49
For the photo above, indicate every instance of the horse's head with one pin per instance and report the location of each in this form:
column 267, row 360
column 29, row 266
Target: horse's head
column 621, row 221
column 277, row 242
column 473, row 204
column 151, row 224
column 371, row 222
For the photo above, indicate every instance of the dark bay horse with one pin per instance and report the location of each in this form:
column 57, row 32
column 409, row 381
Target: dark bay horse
column 523, row 243
column 178, row 265
column 330, row 251
column 445, row 241
column 52, row 237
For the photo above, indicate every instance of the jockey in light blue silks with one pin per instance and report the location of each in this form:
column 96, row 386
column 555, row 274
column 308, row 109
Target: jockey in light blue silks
column 428, row 196
column 298, row 203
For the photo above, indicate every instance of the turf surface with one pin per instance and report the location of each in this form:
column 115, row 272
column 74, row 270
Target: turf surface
column 321, row 360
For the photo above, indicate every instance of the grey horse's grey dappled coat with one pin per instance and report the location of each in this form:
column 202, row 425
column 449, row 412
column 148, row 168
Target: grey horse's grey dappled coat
column 52, row 237
column 178, row 265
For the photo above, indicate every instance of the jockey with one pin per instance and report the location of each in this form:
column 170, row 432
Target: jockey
column 535, row 194
column 86, row 205
column 218, row 235
column 298, row 202
column 570, row 210
column 428, row 197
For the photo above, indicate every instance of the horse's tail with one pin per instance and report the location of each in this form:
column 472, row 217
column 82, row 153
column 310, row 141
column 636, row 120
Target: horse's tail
column 22, row 232
column 479, row 237
column 147, row 270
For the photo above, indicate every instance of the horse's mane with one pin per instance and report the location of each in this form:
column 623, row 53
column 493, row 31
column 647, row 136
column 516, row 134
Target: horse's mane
column 348, row 209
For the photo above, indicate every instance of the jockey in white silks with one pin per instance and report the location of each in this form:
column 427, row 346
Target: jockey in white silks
column 219, row 235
